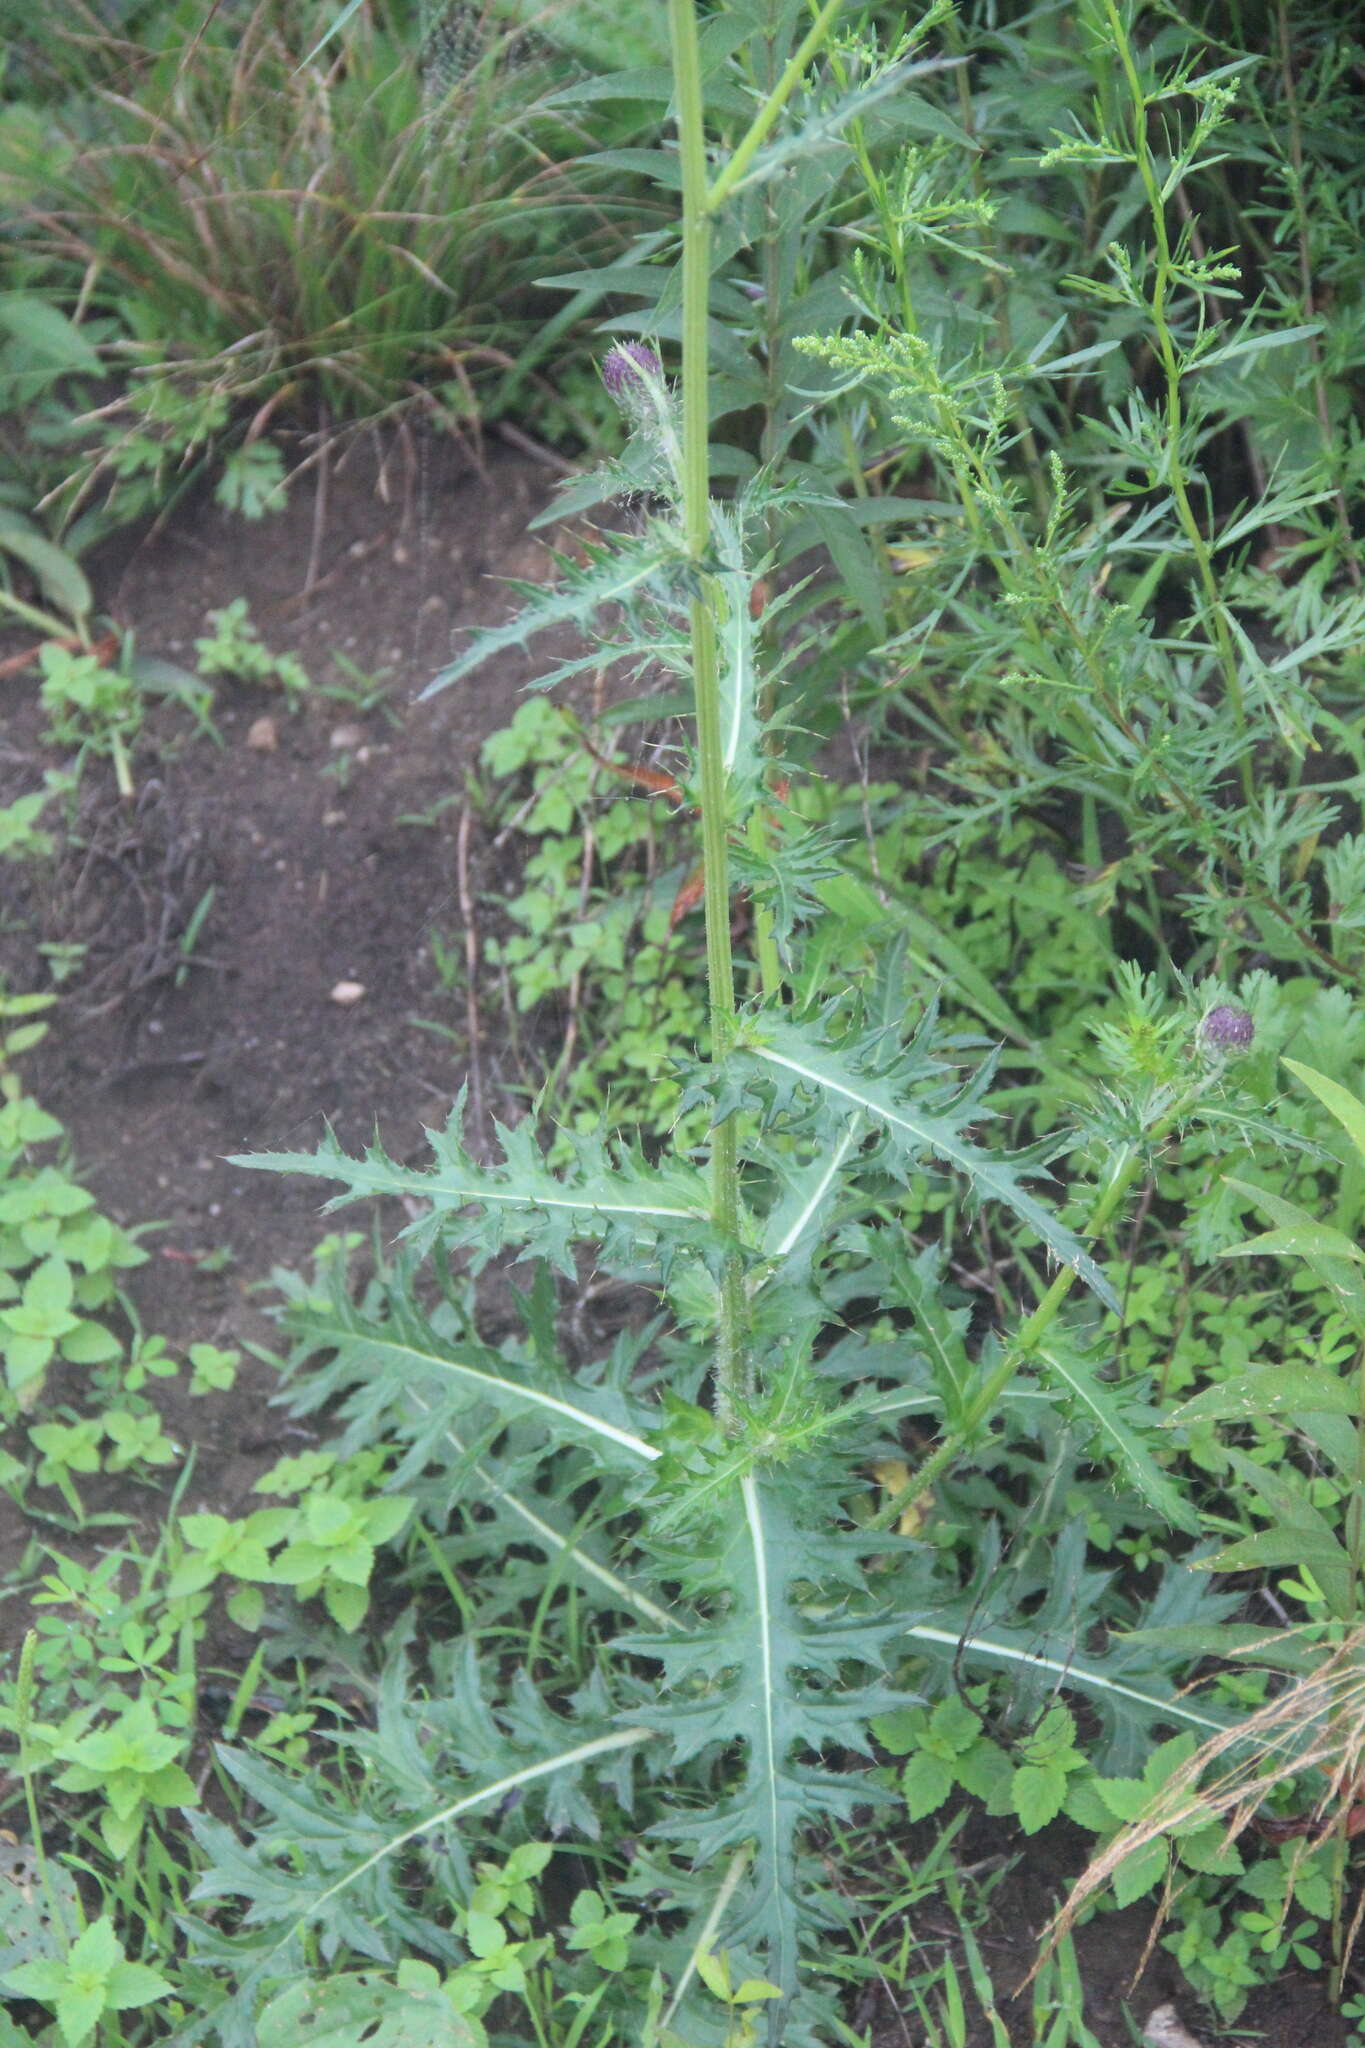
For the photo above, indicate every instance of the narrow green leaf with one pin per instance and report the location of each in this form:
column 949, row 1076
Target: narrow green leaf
column 1318, row 1550
column 1104, row 1404
column 1333, row 1256
column 63, row 580
column 1347, row 1108
column 1270, row 1390
column 334, row 28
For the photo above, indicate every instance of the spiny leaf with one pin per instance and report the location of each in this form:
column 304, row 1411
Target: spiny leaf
column 1129, row 1683
column 615, row 571
column 737, row 646
column 769, row 1672
column 1111, row 1410
column 405, row 1348
column 341, row 1850
column 635, row 1209
column 916, row 1129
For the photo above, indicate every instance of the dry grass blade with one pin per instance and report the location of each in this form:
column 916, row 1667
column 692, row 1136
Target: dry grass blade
column 1314, row 1729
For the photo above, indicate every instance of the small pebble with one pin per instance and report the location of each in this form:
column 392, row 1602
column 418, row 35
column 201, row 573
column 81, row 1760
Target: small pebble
column 347, row 992
column 1166, row 2029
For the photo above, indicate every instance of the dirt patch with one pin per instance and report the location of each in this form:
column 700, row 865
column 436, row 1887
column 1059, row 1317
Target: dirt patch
column 332, row 860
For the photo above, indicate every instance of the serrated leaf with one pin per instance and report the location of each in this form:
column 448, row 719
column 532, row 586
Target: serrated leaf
column 954, row 1726
column 616, row 570
column 926, row 1782
column 252, row 481
column 363, row 2010
column 767, row 1675
column 919, row 1130
column 1123, row 1798
column 737, row 647
column 634, row 1208
column 330, row 1851
column 1038, row 1793
column 406, row 1349
column 1139, row 1871
column 1106, row 1407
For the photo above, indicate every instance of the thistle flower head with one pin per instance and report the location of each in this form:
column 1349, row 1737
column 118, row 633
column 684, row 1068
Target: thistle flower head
column 628, row 367
column 1227, row 1029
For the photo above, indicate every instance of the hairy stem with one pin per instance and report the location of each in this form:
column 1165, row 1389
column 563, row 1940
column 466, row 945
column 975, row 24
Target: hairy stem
column 733, row 1369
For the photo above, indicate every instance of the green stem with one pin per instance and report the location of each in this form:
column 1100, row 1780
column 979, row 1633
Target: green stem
column 1034, row 1327
column 733, row 1369
column 761, row 126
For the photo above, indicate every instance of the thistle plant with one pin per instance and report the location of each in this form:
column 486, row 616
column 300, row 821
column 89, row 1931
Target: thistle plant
column 702, row 1482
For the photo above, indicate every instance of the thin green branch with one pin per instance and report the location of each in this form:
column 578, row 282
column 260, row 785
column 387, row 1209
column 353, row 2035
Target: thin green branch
column 762, row 124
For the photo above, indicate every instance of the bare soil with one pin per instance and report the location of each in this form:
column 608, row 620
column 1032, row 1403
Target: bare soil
column 331, row 854
column 333, row 858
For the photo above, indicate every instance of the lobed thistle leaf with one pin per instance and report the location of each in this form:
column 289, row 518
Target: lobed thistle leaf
column 635, row 1210
column 615, row 570
column 858, row 1075
column 768, row 1677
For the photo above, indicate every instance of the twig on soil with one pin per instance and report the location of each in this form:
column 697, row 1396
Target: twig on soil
column 320, row 497
column 151, row 1063
column 537, row 450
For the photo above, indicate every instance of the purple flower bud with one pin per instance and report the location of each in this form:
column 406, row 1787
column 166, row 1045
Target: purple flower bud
column 1229, row 1029
column 626, row 367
